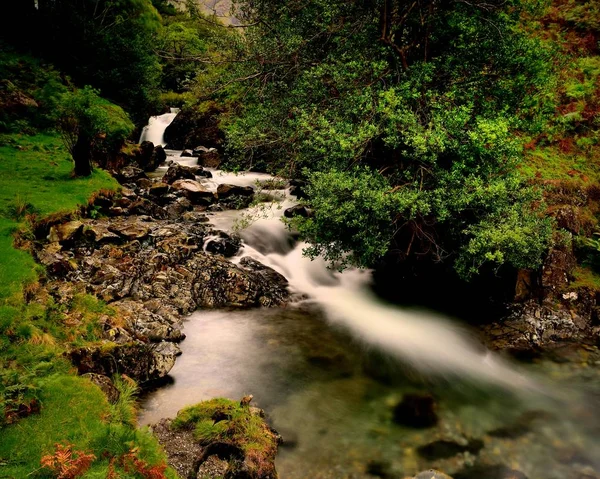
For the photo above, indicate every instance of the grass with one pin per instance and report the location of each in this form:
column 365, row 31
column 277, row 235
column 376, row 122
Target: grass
column 42, row 401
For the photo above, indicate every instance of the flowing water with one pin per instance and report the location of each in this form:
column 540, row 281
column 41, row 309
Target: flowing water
column 330, row 367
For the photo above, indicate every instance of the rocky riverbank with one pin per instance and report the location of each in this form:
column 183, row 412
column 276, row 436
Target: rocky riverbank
column 151, row 255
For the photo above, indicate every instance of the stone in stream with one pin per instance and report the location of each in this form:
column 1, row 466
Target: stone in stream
column 225, row 191
column 416, row 410
column 489, row 472
column 194, row 192
column 186, row 154
column 445, row 449
column 298, row 210
column 222, row 243
column 178, row 172
column 433, row 474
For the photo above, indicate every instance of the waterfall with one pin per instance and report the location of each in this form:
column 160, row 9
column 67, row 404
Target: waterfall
column 154, row 131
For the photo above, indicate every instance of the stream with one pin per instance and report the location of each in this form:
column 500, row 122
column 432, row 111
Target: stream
column 330, row 367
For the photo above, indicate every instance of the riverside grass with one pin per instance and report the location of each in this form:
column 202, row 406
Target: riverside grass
column 36, row 181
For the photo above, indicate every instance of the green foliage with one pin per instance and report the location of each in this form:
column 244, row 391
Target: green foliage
column 431, row 100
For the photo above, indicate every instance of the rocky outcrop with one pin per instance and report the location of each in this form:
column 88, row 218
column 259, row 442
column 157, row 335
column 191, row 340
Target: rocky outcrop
column 244, row 448
column 193, row 126
column 145, row 363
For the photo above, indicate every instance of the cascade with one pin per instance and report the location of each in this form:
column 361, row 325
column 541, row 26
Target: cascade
column 154, row 131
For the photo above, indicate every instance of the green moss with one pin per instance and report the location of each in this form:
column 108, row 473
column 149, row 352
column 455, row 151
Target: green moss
column 584, row 277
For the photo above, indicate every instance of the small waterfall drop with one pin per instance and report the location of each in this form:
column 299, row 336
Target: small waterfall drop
column 154, row 131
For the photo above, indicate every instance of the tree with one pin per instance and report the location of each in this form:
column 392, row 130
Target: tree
column 87, row 122
column 428, row 97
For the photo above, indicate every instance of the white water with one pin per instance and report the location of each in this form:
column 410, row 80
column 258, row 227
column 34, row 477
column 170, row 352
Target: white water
column 154, row 131
column 428, row 342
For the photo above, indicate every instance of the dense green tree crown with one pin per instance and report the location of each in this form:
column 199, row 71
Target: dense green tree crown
column 404, row 116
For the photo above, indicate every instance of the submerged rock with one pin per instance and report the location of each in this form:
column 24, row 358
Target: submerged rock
column 444, row 449
column 416, row 410
column 433, row 474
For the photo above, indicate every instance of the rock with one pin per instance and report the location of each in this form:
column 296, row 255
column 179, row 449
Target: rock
column 417, row 411
column 65, row 232
column 56, row 262
column 99, row 232
column 159, row 156
column 130, row 229
column 433, row 474
column 144, row 156
column 177, row 209
column 490, row 472
column 229, row 454
column 129, row 174
column 159, row 189
column 194, row 191
column 194, row 126
column 297, row 188
column 144, row 183
column 444, row 449
column 223, row 244
column 150, row 326
column 226, row 191
column 212, row 468
column 209, row 159
column 274, row 286
column 298, row 210
column 106, row 385
column 186, row 154
column 145, row 207
column 178, row 172
column 144, row 363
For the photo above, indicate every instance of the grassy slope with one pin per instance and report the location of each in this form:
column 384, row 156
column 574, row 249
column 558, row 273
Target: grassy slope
column 35, row 179
column 565, row 156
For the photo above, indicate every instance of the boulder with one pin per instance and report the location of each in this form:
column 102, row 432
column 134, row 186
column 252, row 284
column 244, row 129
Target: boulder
column 186, row 154
column 178, row 172
column 298, row 189
column 99, row 233
column 132, row 229
column 225, row 191
column 129, row 174
column 144, row 156
column 194, row 191
column 65, row 232
column 196, row 126
column 417, row 411
column 209, row 159
column 159, row 189
column 222, row 243
column 298, row 210
column 273, row 286
column 142, row 362
column 230, row 453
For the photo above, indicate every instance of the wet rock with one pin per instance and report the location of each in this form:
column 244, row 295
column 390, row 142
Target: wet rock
column 144, row 156
column 273, row 286
column 209, row 159
column 194, row 191
column 144, row 183
column 381, row 469
column 297, row 188
column 159, row 156
column 183, row 451
column 226, row 191
column 193, row 126
column 106, row 385
column 298, row 210
column 145, row 207
column 178, row 172
column 416, row 410
column 150, row 326
column 144, row 363
column 443, row 449
column 433, row 474
column 186, row 154
column 223, row 244
column 177, row 208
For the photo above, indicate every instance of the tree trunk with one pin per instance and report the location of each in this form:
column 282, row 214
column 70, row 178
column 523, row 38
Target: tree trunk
column 82, row 153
